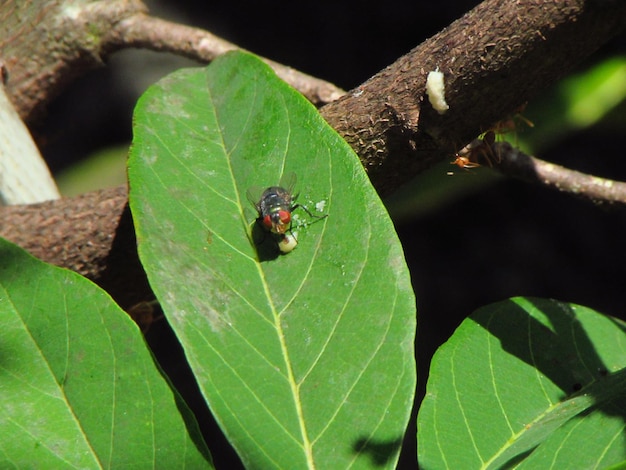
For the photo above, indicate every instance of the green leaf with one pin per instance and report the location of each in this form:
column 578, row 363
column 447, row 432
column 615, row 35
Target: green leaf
column 578, row 102
column 306, row 359
column 527, row 382
column 104, row 168
column 79, row 388
column 595, row 93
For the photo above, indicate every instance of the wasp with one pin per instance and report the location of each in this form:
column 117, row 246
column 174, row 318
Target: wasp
column 274, row 208
column 476, row 151
column 513, row 122
column 480, row 151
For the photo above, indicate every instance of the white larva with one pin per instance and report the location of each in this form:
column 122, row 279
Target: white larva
column 436, row 91
column 288, row 242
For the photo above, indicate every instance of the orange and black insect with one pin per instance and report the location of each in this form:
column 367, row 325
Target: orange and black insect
column 476, row 153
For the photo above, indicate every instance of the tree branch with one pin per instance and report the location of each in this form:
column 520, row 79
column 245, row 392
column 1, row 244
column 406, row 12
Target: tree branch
column 495, row 58
column 513, row 162
column 46, row 49
column 91, row 234
column 146, row 32
column 45, row 46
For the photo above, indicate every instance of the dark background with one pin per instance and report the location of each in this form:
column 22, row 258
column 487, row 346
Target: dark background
column 506, row 239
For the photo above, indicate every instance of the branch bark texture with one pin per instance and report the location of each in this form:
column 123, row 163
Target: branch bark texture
column 511, row 161
column 495, row 58
column 147, row 32
column 45, row 46
column 91, row 234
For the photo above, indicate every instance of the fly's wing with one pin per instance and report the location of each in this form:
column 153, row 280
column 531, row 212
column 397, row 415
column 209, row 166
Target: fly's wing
column 288, row 182
column 254, row 196
column 255, row 193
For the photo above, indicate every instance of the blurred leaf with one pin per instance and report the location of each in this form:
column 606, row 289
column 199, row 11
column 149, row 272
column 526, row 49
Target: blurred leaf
column 595, row 93
column 527, row 382
column 103, row 169
column 576, row 103
column 306, row 359
column 79, row 388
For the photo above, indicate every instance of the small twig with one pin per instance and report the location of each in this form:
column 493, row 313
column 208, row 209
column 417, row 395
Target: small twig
column 516, row 163
column 147, row 32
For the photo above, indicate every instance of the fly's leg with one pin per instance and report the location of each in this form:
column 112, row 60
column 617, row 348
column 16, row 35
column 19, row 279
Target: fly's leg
column 305, row 208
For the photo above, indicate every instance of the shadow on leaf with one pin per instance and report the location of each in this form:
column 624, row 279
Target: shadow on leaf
column 380, row 452
column 264, row 243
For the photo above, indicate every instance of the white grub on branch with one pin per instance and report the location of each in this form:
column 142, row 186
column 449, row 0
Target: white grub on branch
column 147, row 32
column 436, row 91
column 513, row 162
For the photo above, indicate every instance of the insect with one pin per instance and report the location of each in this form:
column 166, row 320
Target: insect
column 476, row 151
column 513, row 123
column 274, row 208
column 464, row 162
column 480, row 151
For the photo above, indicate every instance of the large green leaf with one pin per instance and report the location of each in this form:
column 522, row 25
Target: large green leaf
column 527, row 382
column 306, row 359
column 78, row 387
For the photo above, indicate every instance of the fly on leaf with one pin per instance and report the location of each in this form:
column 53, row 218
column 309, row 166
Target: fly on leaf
column 274, row 206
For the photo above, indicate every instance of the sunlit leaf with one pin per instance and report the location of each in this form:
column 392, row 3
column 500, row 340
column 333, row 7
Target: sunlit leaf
column 306, row 359
column 78, row 387
column 576, row 103
column 530, row 382
column 595, row 93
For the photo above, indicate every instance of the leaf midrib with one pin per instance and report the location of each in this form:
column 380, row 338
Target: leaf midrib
column 293, row 386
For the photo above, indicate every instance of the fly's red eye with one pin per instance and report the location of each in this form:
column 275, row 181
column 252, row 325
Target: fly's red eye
column 285, row 217
column 267, row 221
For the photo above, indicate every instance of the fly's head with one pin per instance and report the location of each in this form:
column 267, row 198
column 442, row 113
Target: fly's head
column 278, row 221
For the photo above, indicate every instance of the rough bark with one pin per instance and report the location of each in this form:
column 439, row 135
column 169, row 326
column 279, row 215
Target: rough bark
column 495, row 58
column 47, row 45
column 91, row 234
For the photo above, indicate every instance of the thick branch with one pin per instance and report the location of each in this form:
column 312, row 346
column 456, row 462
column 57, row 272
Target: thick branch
column 91, row 234
column 495, row 58
column 45, row 46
